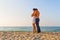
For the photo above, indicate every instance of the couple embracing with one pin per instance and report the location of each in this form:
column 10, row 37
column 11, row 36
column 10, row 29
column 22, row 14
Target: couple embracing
column 35, row 15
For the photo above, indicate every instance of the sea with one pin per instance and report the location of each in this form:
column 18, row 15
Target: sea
column 29, row 28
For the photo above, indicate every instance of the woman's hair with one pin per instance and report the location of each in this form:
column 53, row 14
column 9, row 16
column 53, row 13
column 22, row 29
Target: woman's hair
column 35, row 9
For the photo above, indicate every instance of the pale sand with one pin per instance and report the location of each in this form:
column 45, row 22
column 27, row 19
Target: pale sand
column 29, row 36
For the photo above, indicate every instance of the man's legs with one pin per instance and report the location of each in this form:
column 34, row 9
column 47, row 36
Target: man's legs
column 38, row 28
column 37, row 24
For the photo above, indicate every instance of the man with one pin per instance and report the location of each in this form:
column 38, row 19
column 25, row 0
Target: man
column 36, row 19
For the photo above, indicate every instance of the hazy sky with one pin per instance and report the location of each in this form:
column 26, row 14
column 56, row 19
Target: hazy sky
column 18, row 12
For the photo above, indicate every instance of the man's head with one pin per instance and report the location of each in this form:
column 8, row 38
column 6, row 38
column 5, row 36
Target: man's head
column 35, row 9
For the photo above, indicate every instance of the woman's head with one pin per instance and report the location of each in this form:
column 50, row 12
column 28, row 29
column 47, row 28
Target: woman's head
column 35, row 9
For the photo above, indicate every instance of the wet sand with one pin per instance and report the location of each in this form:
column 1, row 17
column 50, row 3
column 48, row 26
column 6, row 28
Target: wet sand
column 29, row 36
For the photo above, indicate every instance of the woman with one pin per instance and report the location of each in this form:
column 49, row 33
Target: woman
column 36, row 19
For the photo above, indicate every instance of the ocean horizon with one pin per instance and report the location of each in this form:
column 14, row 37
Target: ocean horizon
column 29, row 28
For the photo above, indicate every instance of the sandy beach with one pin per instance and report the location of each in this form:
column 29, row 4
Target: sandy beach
column 29, row 36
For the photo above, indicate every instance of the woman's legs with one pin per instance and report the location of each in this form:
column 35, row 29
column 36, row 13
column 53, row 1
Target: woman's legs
column 34, row 28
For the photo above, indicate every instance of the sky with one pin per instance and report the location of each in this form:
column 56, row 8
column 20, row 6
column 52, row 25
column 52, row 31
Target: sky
column 18, row 12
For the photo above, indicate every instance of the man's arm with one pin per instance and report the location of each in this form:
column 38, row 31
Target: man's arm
column 32, row 15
